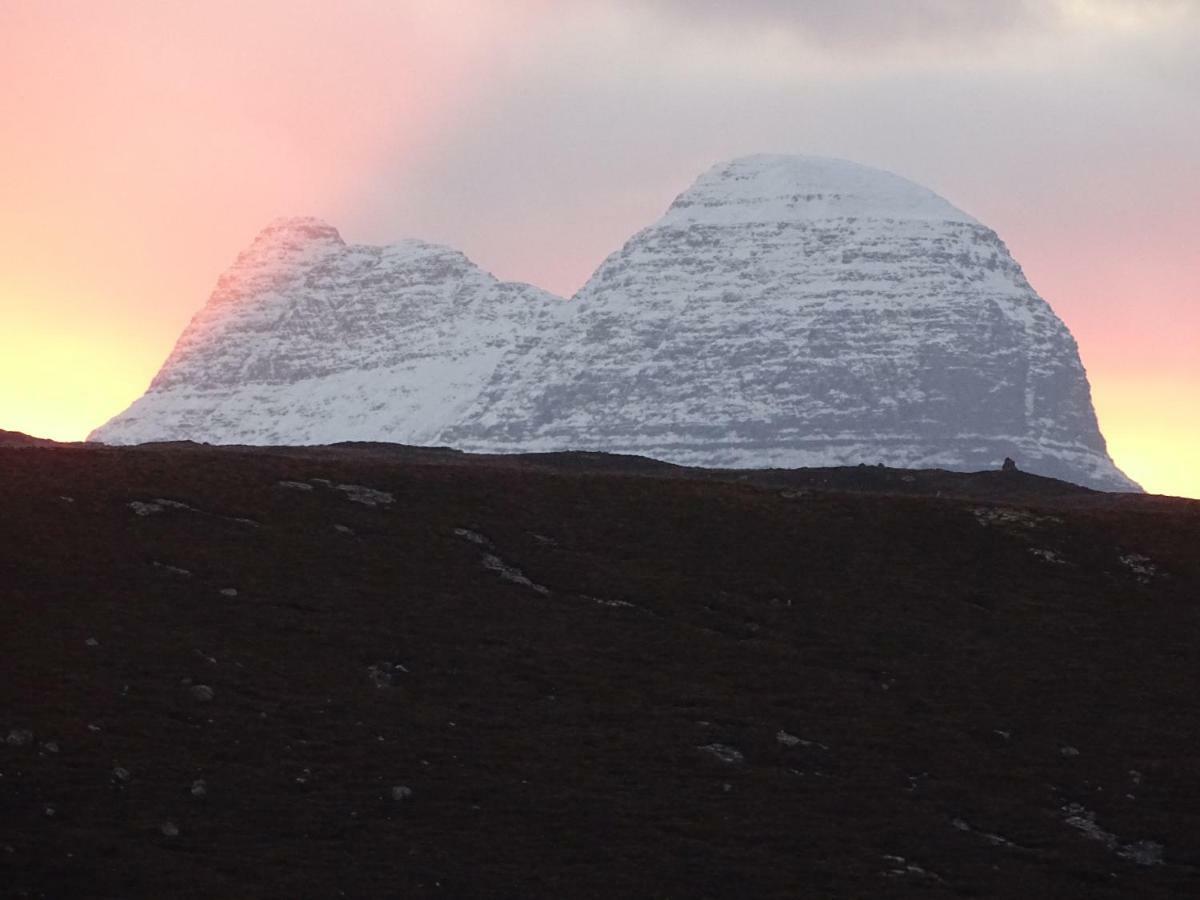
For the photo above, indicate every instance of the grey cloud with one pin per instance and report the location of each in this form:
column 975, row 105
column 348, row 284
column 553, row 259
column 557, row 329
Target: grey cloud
column 883, row 24
column 869, row 22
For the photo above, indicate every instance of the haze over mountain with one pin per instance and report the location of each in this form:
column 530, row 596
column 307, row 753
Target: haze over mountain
column 786, row 311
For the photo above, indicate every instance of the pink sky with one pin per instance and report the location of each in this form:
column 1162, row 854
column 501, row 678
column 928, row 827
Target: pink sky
column 145, row 143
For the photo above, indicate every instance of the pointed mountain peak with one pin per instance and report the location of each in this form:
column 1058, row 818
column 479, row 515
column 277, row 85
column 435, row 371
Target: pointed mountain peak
column 284, row 245
column 298, row 230
column 785, row 188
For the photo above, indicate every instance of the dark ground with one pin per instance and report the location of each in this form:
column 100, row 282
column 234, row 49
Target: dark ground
column 977, row 696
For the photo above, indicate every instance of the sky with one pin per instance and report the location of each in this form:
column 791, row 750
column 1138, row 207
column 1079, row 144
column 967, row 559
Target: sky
column 144, row 143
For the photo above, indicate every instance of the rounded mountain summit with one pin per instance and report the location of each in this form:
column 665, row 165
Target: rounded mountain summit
column 786, row 311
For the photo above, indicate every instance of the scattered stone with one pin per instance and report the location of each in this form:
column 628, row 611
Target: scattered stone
column 143, row 508
column 343, row 529
column 915, row 781
column 402, row 792
column 473, row 536
column 384, row 674
column 199, row 788
column 1049, row 556
column 19, row 737
column 172, row 570
column 169, row 829
column 616, row 604
column 92, row 642
column 121, row 774
column 1135, row 776
column 50, row 746
column 201, row 693
column 1010, row 517
column 902, row 867
column 1068, row 751
column 1141, row 566
column 1142, row 853
column 511, row 573
column 229, row 592
column 794, row 495
column 994, row 839
column 790, row 740
column 724, row 753
column 65, row 499
column 356, row 493
column 1007, row 735
column 50, row 810
column 295, row 485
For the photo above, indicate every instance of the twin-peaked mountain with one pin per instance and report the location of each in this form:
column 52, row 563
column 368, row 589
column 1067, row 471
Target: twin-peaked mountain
column 786, row 311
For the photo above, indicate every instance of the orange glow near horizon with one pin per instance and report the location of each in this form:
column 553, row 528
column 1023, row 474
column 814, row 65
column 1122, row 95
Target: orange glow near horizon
column 1151, row 434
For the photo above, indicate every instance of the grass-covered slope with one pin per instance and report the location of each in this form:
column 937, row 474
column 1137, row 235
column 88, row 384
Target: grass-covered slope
column 595, row 677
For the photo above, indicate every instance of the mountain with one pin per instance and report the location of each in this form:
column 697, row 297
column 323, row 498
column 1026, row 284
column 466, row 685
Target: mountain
column 308, row 339
column 375, row 671
column 786, row 311
column 790, row 311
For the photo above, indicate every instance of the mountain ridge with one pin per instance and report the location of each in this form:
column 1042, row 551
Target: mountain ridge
column 785, row 311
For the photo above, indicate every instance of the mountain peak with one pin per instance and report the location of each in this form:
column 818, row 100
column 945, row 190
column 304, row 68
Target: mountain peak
column 790, row 188
column 298, row 230
column 285, row 245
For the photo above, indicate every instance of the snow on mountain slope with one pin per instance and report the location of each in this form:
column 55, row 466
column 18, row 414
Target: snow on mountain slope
column 309, row 340
column 789, row 311
column 786, row 311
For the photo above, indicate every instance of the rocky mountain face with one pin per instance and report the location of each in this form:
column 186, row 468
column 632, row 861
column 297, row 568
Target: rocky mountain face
column 786, row 311
column 310, row 340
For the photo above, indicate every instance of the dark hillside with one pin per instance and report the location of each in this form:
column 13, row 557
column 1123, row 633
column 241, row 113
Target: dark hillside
column 20, row 439
column 367, row 671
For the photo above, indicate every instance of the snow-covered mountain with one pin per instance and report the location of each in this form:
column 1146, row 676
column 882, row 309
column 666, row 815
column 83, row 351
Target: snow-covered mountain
column 786, row 311
column 309, row 340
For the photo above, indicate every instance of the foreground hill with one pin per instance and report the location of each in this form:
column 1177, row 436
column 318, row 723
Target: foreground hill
column 20, row 439
column 372, row 671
